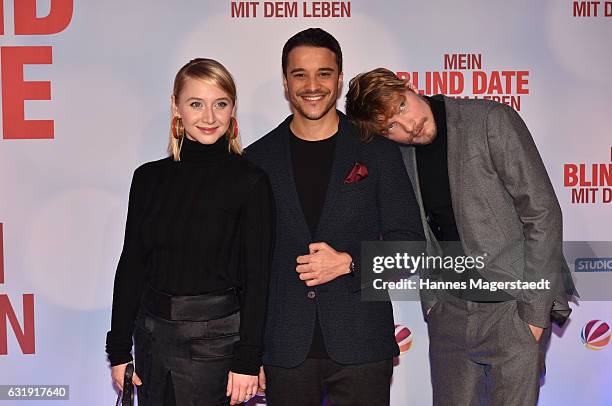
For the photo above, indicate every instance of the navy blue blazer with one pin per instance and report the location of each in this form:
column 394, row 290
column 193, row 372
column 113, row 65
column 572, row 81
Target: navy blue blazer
column 382, row 205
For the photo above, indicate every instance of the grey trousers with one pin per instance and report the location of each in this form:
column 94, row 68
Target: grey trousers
column 483, row 354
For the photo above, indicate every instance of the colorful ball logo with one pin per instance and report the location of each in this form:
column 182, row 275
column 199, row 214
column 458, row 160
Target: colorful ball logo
column 595, row 334
column 403, row 337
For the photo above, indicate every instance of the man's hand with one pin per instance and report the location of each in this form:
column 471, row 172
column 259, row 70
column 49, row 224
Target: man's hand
column 536, row 331
column 241, row 387
column 322, row 264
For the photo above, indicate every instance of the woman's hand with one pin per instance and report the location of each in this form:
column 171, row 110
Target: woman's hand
column 262, row 380
column 118, row 372
column 241, row 387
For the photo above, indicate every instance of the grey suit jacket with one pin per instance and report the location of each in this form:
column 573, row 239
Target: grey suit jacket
column 505, row 206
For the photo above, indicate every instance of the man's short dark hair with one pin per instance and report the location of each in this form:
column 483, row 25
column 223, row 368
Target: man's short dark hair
column 312, row 37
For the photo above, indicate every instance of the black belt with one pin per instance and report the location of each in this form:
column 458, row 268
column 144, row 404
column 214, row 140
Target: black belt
column 206, row 307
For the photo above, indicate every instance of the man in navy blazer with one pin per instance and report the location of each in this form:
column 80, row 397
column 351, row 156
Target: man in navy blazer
column 331, row 193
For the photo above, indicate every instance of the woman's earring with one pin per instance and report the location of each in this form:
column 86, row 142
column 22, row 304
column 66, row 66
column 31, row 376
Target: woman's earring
column 178, row 131
column 235, row 132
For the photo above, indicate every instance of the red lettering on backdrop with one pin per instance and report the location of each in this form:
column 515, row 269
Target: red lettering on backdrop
column 244, row 9
column 500, row 82
column 1, row 18
column 26, row 22
column 522, row 81
column 569, row 175
column 1, row 254
column 25, row 337
column 15, row 91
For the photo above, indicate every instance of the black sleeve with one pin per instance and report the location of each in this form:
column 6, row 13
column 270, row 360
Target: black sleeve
column 129, row 279
column 398, row 209
column 257, row 224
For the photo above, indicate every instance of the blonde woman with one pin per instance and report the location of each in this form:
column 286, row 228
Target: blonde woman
column 191, row 284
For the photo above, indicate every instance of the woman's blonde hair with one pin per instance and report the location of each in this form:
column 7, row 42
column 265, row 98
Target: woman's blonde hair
column 372, row 99
column 215, row 74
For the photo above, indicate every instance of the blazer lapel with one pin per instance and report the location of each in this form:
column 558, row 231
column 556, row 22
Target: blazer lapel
column 409, row 158
column 345, row 157
column 456, row 144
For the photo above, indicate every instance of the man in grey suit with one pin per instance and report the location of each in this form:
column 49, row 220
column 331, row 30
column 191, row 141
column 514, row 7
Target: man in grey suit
column 479, row 181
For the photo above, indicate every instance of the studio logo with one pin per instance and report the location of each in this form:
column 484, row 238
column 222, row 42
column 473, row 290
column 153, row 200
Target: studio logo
column 595, row 335
column 593, row 264
column 403, row 337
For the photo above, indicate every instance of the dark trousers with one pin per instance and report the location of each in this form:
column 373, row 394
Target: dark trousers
column 184, row 363
column 483, row 354
column 344, row 385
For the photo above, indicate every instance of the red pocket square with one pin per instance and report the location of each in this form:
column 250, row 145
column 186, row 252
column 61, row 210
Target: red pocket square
column 359, row 172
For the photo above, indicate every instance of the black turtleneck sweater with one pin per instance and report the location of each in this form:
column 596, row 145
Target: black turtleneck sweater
column 432, row 164
column 200, row 225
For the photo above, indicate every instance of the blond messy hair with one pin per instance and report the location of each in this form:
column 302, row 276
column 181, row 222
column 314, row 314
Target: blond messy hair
column 217, row 75
column 372, row 99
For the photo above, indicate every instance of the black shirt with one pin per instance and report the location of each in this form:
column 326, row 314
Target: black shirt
column 432, row 166
column 200, row 225
column 312, row 164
